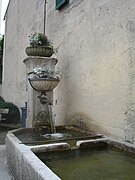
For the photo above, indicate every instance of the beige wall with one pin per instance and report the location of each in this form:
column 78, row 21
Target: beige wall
column 95, row 41
column 20, row 22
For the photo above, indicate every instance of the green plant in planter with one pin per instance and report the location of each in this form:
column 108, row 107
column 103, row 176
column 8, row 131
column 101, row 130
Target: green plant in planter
column 46, row 72
column 40, row 45
column 44, row 78
column 39, row 39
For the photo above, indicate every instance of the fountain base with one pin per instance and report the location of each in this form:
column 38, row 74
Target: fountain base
column 24, row 164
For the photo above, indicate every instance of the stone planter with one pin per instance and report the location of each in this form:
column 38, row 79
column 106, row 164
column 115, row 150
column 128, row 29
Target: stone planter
column 43, row 84
column 44, row 51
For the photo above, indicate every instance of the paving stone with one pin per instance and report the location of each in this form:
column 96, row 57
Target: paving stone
column 4, row 171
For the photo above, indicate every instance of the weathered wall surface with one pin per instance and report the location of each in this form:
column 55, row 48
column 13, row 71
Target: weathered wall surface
column 95, row 41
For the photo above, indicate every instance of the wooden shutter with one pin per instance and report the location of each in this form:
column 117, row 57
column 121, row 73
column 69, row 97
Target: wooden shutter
column 60, row 3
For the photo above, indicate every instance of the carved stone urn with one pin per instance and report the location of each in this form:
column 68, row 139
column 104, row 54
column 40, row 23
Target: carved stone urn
column 43, row 51
column 43, row 84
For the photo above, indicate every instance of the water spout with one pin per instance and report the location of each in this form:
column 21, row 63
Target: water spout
column 52, row 123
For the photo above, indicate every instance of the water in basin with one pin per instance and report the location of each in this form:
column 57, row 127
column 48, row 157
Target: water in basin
column 90, row 164
column 37, row 136
column 57, row 135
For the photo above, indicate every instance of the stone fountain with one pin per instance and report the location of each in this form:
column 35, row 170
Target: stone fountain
column 40, row 93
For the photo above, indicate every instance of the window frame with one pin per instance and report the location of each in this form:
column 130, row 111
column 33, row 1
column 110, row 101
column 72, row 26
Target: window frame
column 60, row 4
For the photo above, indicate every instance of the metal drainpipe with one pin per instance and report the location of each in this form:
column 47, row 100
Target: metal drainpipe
column 45, row 15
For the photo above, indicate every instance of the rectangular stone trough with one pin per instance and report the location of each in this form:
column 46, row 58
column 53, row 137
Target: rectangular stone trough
column 25, row 165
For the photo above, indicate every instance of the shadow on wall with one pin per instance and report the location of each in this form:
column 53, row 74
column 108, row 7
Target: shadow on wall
column 79, row 119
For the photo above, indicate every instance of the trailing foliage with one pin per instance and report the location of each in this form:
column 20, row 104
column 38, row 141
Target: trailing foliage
column 13, row 115
column 46, row 72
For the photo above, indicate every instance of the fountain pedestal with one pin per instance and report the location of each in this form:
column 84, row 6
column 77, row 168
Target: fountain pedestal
column 38, row 114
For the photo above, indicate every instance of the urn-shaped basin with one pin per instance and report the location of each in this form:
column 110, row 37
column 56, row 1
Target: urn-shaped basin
column 43, row 84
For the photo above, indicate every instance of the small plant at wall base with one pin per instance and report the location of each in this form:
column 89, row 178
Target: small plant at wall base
column 40, row 45
column 13, row 115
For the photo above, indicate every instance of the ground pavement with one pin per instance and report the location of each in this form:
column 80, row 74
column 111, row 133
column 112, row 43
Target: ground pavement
column 4, row 172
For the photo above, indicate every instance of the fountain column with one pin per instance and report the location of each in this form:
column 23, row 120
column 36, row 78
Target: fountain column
column 37, row 114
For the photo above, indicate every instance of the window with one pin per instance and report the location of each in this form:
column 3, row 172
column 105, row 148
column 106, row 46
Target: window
column 61, row 3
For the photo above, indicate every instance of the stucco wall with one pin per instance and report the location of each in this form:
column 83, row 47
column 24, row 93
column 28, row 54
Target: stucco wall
column 95, row 41
column 94, row 44
column 20, row 23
